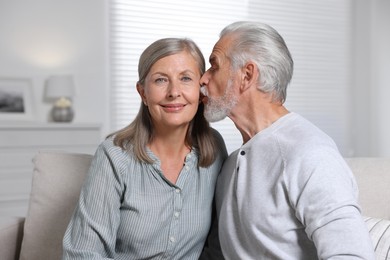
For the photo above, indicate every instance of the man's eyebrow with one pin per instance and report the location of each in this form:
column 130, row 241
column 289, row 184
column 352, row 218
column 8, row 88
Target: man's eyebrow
column 213, row 59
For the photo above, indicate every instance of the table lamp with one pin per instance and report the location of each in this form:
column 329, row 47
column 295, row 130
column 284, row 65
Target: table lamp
column 61, row 89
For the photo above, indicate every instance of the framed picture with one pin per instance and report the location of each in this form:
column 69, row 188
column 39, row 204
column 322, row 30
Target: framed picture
column 15, row 99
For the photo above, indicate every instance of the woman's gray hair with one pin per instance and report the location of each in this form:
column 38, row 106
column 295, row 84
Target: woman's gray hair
column 263, row 45
column 139, row 133
column 166, row 47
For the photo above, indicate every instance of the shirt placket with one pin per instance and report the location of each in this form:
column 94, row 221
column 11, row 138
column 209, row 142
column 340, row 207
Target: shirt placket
column 172, row 236
column 177, row 208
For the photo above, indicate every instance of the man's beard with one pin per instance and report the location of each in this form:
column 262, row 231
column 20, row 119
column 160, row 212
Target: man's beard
column 217, row 109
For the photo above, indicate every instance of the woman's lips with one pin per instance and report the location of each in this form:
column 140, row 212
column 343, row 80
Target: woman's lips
column 173, row 107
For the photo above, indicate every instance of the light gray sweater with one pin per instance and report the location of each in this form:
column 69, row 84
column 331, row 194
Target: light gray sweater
column 288, row 194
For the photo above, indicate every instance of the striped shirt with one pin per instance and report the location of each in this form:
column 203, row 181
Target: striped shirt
column 128, row 210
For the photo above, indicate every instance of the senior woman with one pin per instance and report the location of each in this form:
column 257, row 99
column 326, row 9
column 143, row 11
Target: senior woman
column 149, row 190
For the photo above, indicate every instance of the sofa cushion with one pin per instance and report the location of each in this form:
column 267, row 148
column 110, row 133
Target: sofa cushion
column 56, row 185
column 373, row 179
column 380, row 234
column 11, row 233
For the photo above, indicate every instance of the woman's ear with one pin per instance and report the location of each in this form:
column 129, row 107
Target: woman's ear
column 141, row 92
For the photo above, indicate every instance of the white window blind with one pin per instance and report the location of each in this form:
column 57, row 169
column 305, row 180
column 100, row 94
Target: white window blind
column 318, row 34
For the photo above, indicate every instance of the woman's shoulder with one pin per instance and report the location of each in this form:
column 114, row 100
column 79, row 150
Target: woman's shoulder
column 110, row 159
column 112, row 150
column 108, row 144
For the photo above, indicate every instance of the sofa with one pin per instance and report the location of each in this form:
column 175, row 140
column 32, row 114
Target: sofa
column 58, row 176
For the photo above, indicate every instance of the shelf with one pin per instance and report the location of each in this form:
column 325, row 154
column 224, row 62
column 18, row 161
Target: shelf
column 50, row 125
column 21, row 141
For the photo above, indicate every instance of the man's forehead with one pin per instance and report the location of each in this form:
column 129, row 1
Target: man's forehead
column 221, row 48
column 219, row 51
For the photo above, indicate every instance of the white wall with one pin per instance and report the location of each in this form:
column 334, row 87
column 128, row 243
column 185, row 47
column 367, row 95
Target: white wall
column 371, row 91
column 380, row 78
column 44, row 37
column 361, row 80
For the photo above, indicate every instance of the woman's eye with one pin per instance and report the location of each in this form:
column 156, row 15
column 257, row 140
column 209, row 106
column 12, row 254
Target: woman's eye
column 160, row 80
column 186, row 79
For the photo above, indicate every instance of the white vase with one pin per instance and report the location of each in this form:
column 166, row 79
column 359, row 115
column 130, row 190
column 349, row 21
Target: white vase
column 62, row 114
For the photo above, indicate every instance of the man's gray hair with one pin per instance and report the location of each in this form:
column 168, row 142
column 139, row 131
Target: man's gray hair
column 263, row 45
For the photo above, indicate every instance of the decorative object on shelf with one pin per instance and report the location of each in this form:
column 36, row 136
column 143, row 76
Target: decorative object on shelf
column 15, row 99
column 61, row 88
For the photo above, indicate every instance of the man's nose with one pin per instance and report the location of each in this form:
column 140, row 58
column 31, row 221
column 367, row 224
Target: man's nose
column 204, row 79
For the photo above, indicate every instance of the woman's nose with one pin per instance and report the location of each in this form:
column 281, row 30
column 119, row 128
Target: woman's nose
column 174, row 90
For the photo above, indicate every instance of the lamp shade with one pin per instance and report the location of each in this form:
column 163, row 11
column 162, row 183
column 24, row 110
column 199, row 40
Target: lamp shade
column 60, row 86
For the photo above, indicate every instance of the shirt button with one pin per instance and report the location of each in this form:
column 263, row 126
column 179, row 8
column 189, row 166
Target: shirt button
column 177, row 214
column 172, row 239
column 242, row 152
column 177, row 190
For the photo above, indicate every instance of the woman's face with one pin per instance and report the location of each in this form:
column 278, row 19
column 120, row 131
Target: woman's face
column 171, row 90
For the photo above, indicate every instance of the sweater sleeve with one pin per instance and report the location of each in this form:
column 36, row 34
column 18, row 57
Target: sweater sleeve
column 91, row 233
column 324, row 194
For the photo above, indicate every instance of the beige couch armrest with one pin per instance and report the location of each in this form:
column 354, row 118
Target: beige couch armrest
column 373, row 179
column 11, row 234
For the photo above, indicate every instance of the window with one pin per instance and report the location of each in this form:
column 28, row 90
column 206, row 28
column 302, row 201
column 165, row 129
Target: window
column 318, row 34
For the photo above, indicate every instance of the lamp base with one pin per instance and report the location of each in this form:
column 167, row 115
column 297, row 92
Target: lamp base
column 62, row 114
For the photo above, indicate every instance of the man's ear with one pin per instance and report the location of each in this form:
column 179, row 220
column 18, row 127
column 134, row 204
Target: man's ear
column 141, row 92
column 249, row 76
